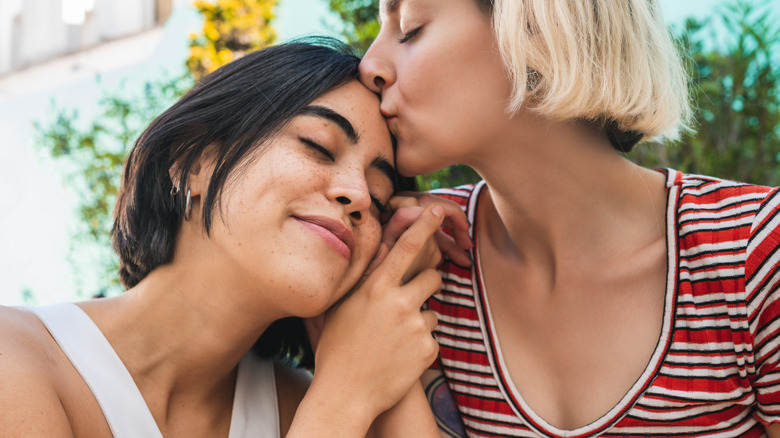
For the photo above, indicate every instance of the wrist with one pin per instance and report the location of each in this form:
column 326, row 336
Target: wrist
column 331, row 410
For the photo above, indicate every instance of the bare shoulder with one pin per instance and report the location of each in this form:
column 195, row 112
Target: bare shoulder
column 291, row 386
column 25, row 343
column 29, row 402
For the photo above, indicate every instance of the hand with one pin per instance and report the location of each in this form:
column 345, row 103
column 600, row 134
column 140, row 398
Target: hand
column 407, row 206
column 375, row 344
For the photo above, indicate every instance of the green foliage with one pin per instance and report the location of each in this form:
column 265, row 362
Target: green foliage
column 92, row 153
column 449, row 177
column 735, row 89
column 232, row 28
column 360, row 21
column 28, row 297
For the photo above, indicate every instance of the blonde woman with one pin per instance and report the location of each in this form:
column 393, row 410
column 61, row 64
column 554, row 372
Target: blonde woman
column 605, row 298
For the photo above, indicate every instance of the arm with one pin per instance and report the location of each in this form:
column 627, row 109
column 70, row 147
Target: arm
column 427, row 411
column 441, row 402
column 29, row 404
column 410, row 417
column 762, row 273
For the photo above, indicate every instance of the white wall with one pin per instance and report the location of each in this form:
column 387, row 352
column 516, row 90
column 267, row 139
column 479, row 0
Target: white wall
column 34, row 31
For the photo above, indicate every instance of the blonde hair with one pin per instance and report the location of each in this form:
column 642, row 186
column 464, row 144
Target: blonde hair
column 611, row 61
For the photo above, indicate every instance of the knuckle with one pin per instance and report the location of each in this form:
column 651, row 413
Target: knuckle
column 432, row 278
column 408, row 245
column 404, row 305
column 433, row 349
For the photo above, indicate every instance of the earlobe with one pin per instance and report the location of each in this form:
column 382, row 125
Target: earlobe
column 198, row 176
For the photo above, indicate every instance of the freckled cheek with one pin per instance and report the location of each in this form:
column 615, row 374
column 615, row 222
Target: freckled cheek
column 370, row 237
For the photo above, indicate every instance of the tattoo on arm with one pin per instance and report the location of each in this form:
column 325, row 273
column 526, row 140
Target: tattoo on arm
column 444, row 409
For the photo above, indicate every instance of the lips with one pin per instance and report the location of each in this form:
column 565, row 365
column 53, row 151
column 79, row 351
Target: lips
column 332, row 231
column 388, row 115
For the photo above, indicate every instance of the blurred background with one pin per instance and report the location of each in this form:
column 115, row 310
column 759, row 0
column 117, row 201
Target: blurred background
column 80, row 79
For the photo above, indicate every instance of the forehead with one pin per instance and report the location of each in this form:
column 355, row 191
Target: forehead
column 360, row 107
column 388, row 8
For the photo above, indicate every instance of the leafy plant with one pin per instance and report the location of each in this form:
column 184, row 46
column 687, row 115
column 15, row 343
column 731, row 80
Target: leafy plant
column 232, row 28
column 91, row 154
column 735, row 88
column 360, row 21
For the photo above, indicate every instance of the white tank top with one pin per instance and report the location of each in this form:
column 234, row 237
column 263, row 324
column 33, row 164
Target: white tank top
column 255, row 407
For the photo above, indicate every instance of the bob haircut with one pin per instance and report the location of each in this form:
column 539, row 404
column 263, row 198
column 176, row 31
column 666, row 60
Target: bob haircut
column 232, row 114
column 612, row 62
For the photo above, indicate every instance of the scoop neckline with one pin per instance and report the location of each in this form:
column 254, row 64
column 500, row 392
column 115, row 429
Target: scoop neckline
column 504, row 382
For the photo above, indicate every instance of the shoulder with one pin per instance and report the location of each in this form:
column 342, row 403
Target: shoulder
column 704, row 190
column 762, row 266
column 29, row 364
column 291, row 386
column 25, row 341
column 717, row 213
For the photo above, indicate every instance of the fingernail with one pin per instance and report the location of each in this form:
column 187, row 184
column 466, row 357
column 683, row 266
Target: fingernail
column 438, row 210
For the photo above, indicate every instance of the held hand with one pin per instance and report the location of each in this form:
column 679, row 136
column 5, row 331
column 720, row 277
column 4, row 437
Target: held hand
column 376, row 343
column 407, row 206
column 428, row 258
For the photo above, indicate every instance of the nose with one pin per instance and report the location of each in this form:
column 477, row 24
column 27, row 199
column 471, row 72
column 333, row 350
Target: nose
column 352, row 194
column 376, row 72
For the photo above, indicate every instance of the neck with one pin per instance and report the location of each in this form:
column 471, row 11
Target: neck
column 558, row 190
column 183, row 329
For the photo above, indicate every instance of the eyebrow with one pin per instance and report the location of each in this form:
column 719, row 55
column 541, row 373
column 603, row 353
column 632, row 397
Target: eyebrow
column 333, row 116
column 380, row 163
column 390, row 7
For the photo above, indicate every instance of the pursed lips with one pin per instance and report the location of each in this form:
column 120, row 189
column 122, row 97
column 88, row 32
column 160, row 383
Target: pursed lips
column 328, row 228
column 387, row 114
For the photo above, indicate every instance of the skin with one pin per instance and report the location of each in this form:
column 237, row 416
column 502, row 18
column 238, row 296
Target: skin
column 556, row 190
column 183, row 329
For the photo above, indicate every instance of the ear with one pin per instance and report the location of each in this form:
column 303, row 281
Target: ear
column 199, row 175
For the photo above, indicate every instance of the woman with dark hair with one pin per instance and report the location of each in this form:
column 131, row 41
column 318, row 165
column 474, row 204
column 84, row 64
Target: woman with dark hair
column 256, row 198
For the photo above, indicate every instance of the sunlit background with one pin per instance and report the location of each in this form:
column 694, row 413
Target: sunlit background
column 70, row 52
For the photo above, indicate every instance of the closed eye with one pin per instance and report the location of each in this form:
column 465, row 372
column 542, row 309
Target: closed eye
column 383, row 209
column 317, row 147
column 409, row 35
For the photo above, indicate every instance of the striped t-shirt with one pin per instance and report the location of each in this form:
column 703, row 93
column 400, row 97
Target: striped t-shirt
column 716, row 368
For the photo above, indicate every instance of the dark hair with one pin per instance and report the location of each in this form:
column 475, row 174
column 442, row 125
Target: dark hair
column 238, row 108
column 235, row 110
